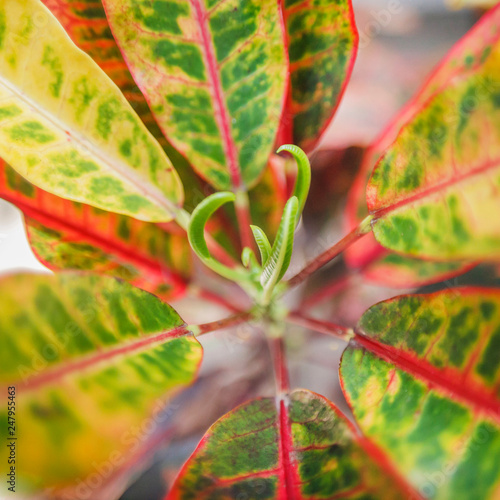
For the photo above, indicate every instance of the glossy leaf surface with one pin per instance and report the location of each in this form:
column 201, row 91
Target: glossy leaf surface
column 432, row 191
column 69, row 130
column 322, row 43
column 423, row 381
column 253, row 452
column 90, row 358
column 378, row 264
column 214, row 76
column 68, row 235
column 85, row 22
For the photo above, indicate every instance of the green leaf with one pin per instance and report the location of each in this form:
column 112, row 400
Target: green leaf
column 434, row 190
column 422, row 378
column 281, row 252
column 196, row 235
column 70, row 131
column 66, row 235
column 90, row 358
column 307, row 450
column 263, row 244
column 322, row 43
column 268, row 197
column 214, row 76
column 303, row 180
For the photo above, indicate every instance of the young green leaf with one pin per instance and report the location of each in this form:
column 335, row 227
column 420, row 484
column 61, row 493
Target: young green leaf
column 432, row 191
column 431, row 362
column 269, row 196
column 196, row 235
column 307, row 450
column 70, row 131
column 281, row 252
column 322, row 43
column 303, row 180
column 262, row 243
column 248, row 258
column 90, row 358
column 66, row 235
column 214, row 76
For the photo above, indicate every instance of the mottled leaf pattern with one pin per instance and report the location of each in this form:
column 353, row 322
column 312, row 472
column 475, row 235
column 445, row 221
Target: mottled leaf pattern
column 423, row 379
column 432, row 191
column 85, row 22
column 407, row 271
column 69, row 130
column 214, row 75
column 68, row 235
column 253, row 453
column 322, row 43
column 90, row 358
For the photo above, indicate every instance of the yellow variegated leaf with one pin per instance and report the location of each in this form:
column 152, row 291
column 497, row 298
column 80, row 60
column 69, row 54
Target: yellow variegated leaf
column 86, row 359
column 68, row 129
column 434, row 192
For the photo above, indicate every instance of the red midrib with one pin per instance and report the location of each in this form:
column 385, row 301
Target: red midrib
column 380, row 212
column 52, row 375
column 431, row 375
column 286, row 450
column 124, row 252
column 222, row 114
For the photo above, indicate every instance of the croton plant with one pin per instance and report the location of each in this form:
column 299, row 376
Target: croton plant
column 139, row 140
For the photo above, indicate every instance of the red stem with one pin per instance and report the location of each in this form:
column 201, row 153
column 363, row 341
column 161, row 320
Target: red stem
column 277, row 348
column 234, row 320
column 328, row 255
column 321, row 326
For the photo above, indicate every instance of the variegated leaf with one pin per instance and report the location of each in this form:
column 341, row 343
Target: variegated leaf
column 432, row 192
column 307, row 450
column 68, row 235
column 423, row 379
column 214, row 74
column 377, row 263
column 322, row 43
column 69, row 130
column 85, row 22
column 90, row 358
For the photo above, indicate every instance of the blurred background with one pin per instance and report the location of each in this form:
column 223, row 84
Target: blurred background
column 400, row 42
